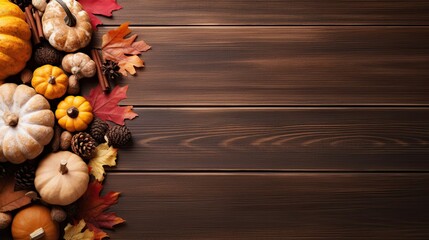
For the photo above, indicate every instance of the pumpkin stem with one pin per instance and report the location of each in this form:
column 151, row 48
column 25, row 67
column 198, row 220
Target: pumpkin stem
column 63, row 167
column 37, row 234
column 52, row 80
column 70, row 19
column 73, row 112
column 10, row 119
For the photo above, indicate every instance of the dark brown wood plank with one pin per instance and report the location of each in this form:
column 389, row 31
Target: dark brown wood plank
column 286, row 139
column 273, row 12
column 282, row 66
column 272, row 206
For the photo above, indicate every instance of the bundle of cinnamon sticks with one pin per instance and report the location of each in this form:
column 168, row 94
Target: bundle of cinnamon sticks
column 104, row 83
column 34, row 20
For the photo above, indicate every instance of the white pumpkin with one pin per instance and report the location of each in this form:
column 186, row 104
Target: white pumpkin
column 26, row 123
column 61, row 178
column 66, row 25
column 79, row 64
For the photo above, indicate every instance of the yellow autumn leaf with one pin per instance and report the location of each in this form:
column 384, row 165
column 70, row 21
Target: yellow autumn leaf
column 104, row 156
column 74, row 232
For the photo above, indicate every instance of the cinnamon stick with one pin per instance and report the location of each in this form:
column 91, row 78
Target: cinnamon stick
column 104, row 83
column 32, row 24
column 38, row 24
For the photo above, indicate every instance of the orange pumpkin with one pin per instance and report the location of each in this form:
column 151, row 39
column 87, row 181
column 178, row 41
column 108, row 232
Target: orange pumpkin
column 50, row 81
column 74, row 113
column 34, row 221
column 15, row 45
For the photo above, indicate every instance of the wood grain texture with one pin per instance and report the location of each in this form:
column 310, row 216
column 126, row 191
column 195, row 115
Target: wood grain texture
column 289, row 139
column 273, row 12
column 272, row 206
column 282, row 66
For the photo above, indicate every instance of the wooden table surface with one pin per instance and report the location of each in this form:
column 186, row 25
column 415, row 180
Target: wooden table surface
column 277, row 119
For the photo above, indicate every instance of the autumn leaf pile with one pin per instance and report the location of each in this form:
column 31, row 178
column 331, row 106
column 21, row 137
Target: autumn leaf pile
column 89, row 215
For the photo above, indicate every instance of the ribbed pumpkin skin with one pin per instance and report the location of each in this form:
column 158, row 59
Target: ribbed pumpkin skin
column 41, row 81
column 81, row 122
column 34, row 127
column 15, row 35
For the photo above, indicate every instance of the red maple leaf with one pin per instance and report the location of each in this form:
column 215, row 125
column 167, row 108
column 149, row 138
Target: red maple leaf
column 100, row 7
column 92, row 207
column 105, row 106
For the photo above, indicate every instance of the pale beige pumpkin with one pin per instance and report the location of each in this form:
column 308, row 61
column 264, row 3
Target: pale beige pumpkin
column 34, row 221
column 66, row 25
column 15, row 45
column 79, row 64
column 61, row 178
column 26, row 123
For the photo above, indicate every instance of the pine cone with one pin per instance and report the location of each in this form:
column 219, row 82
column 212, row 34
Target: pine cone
column 46, row 54
column 24, row 176
column 98, row 130
column 111, row 70
column 118, row 136
column 83, row 145
column 22, row 3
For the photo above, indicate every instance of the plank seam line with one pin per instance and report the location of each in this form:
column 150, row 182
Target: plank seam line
column 268, row 25
column 365, row 107
column 208, row 171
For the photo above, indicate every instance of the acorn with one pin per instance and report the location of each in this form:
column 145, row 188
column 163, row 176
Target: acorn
column 58, row 214
column 26, row 76
column 5, row 220
column 65, row 140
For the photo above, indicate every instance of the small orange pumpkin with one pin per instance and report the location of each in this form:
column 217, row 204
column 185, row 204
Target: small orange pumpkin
column 74, row 113
column 34, row 221
column 50, row 81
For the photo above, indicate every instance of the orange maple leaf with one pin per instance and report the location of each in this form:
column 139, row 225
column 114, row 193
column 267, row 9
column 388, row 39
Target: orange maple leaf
column 92, row 207
column 124, row 51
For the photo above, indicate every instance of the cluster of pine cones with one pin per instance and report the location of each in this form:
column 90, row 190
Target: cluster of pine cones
column 83, row 144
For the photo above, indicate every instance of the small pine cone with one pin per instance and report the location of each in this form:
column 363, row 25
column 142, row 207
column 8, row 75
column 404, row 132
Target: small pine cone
column 111, row 70
column 83, row 145
column 118, row 136
column 98, row 130
column 46, row 54
column 24, row 176
column 22, row 3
